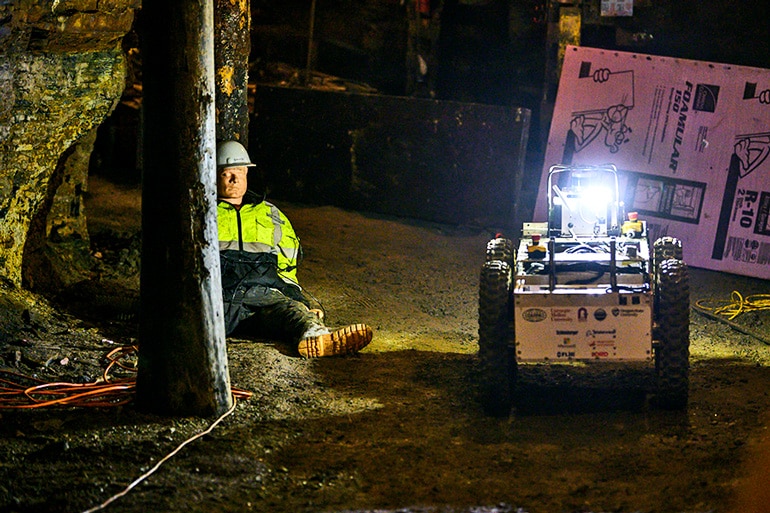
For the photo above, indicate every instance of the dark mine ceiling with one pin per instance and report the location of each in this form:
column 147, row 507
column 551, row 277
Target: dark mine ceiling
column 493, row 51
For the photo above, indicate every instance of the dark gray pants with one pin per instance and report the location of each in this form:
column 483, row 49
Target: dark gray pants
column 267, row 313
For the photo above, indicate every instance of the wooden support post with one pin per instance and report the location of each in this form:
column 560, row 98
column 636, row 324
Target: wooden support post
column 182, row 352
column 311, row 46
column 564, row 26
column 232, row 21
column 422, row 46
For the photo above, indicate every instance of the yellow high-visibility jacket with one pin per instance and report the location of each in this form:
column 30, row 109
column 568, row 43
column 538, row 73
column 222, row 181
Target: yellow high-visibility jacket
column 260, row 228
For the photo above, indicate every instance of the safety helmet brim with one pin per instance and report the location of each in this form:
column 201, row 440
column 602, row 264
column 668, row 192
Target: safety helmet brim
column 233, row 154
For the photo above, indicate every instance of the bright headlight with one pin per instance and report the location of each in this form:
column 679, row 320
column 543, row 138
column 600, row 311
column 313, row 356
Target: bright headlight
column 596, row 200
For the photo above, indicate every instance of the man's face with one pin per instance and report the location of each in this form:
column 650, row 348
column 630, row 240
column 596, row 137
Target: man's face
column 232, row 183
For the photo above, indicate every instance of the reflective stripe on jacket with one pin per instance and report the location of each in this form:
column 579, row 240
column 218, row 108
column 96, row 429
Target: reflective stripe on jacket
column 260, row 228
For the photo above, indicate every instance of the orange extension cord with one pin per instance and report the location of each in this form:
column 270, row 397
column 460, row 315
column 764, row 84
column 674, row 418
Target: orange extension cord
column 108, row 392
column 16, row 392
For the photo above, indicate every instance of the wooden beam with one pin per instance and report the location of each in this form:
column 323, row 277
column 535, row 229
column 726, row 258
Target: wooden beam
column 232, row 21
column 182, row 352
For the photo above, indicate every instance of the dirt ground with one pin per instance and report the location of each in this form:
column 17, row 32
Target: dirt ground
column 395, row 428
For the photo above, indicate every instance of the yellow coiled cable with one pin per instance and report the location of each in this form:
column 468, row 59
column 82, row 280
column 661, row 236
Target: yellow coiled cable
column 736, row 305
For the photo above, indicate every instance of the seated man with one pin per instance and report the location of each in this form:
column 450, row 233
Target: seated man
column 259, row 254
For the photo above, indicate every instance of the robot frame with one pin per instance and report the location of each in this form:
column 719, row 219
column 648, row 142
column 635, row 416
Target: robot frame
column 583, row 287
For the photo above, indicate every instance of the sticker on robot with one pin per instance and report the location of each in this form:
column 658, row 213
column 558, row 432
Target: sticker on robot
column 561, row 314
column 534, row 315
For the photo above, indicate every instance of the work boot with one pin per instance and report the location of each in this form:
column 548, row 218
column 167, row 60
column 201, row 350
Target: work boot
column 343, row 341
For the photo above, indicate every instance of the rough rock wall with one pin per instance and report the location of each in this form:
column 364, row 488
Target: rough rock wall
column 61, row 73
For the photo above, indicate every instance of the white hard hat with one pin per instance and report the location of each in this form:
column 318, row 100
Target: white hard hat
column 232, row 154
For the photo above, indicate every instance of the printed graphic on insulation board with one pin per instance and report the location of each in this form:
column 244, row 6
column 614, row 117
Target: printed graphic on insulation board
column 690, row 140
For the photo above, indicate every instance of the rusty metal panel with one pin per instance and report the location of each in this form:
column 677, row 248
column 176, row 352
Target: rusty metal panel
column 434, row 160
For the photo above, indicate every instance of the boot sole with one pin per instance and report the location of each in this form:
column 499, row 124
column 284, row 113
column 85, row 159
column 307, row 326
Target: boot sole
column 350, row 339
